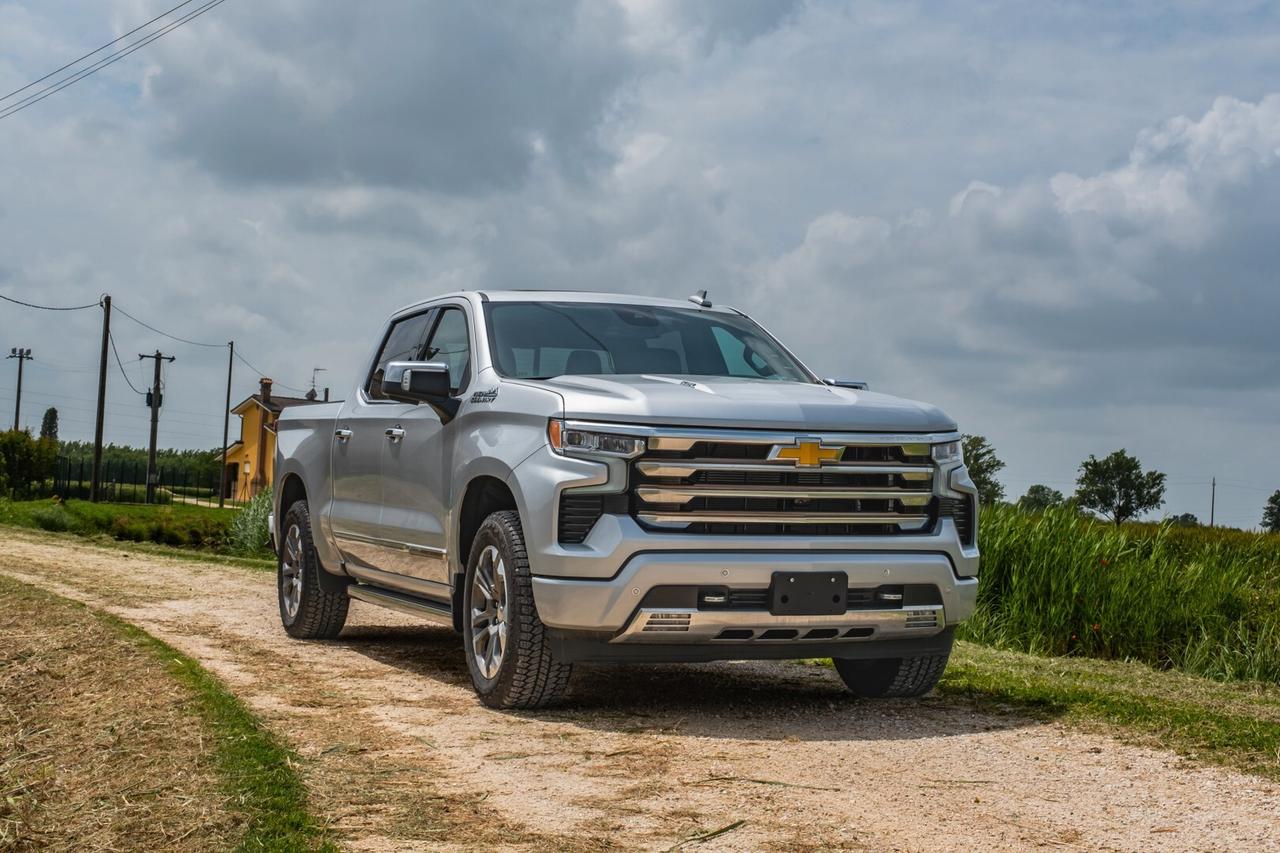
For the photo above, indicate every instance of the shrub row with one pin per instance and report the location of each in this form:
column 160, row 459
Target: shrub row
column 1204, row 601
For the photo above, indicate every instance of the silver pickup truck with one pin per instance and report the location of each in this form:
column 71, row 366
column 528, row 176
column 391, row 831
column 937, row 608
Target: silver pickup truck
column 567, row 477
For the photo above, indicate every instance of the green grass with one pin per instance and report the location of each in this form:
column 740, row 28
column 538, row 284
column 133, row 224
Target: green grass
column 1203, row 601
column 199, row 528
column 258, row 771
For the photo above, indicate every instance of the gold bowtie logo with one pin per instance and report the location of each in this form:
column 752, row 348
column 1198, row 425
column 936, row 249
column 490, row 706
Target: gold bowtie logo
column 806, row 453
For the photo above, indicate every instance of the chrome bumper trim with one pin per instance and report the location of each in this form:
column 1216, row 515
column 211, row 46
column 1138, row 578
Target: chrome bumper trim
column 681, row 625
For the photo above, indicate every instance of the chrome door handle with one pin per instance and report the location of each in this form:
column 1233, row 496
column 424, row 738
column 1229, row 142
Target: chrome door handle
column 342, row 434
column 395, row 433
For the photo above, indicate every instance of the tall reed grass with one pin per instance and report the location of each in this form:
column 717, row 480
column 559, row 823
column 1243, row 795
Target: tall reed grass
column 1200, row 600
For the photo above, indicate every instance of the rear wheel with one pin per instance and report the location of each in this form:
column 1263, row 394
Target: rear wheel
column 306, row 611
column 508, row 652
column 892, row 677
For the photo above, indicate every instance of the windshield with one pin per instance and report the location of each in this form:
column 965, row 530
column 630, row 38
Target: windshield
column 541, row 340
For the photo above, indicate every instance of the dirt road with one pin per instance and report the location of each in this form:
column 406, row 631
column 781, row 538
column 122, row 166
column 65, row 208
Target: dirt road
column 401, row 756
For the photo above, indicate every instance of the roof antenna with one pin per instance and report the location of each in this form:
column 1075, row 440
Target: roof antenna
column 700, row 299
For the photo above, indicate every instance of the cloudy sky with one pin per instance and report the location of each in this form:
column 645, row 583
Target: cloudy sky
column 1058, row 221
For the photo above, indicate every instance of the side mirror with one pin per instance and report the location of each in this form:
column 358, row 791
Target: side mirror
column 855, row 384
column 420, row 382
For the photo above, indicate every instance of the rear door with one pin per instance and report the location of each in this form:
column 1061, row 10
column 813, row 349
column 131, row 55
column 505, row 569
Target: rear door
column 414, row 468
column 360, row 438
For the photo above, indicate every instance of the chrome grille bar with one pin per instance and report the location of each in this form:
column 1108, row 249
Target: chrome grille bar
column 684, row 494
column 703, row 517
column 688, row 467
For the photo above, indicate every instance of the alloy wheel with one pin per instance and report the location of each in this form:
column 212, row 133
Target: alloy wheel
column 291, row 572
column 489, row 612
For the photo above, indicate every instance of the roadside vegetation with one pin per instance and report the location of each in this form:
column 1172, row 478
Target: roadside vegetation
column 1203, row 600
column 231, row 532
column 112, row 739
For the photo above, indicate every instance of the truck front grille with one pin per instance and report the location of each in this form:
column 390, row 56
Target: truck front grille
column 741, row 484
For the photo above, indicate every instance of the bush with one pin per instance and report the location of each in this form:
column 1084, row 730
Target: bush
column 53, row 518
column 1197, row 599
column 249, row 534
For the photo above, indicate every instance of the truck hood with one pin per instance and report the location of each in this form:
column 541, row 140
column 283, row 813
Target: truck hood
column 744, row 403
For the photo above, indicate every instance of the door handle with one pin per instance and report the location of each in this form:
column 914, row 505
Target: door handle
column 395, row 433
column 342, row 434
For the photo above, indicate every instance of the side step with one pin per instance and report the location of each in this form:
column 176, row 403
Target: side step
column 434, row 611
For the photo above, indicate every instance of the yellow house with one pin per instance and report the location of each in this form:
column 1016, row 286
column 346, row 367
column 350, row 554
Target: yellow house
column 251, row 459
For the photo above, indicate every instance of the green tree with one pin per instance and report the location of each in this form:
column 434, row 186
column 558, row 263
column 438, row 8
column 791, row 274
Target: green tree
column 1271, row 514
column 1117, row 488
column 982, row 462
column 1186, row 519
column 1040, row 498
column 49, row 424
column 26, row 461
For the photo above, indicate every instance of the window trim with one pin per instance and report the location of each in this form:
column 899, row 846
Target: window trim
column 363, row 397
column 382, row 345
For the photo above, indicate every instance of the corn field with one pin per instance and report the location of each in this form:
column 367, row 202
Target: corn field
column 1202, row 600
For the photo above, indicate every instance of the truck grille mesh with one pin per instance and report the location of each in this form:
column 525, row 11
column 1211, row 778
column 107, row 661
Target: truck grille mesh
column 741, row 486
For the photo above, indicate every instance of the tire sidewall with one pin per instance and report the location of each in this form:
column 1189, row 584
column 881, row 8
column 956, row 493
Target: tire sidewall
column 297, row 515
column 493, row 533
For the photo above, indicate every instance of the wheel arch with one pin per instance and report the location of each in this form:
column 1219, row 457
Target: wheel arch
column 484, row 495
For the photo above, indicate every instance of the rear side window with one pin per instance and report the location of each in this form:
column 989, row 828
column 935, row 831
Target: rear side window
column 404, row 342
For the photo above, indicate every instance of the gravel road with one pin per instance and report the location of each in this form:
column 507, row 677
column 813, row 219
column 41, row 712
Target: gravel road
column 399, row 755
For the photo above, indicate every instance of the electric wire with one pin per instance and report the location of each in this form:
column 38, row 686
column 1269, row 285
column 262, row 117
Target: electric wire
column 165, row 334
column 263, row 373
column 96, row 50
column 50, row 307
column 123, row 372
column 110, row 59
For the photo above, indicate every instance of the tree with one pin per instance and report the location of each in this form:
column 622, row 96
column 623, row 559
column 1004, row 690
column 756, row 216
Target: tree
column 1271, row 514
column 49, row 425
column 1186, row 519
column 982, row 462
column 1040, row 498
column 26, row 461
column 1116, row 487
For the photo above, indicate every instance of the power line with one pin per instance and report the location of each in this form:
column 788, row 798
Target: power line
column 263, row 373
column 110, row 59
column 121, row 364
column 49, row 307
column 95, row 50
column 165, row 334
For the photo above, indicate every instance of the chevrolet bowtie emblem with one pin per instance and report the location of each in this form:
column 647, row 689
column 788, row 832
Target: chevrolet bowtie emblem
column 806, row 453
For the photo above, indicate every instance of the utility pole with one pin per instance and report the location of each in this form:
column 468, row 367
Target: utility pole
column 21, row 355
column 226, row 421
column 1213, row 498
column 95, row 476
column 153, row 400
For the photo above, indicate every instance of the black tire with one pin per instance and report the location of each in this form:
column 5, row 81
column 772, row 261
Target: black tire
column 527, row 674
column 320, row 615
column 892, row 677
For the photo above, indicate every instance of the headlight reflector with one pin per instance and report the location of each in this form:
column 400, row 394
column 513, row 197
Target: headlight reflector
column 574, row 441
column 949, row 451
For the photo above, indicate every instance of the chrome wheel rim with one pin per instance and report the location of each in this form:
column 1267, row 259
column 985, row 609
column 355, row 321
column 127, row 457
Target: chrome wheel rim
column 489, row 612
column 291, row 573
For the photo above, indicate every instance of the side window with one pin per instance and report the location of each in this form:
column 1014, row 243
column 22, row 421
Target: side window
column 451, row 345
column 403, row 343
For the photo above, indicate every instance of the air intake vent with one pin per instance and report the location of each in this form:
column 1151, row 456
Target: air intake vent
column 921, row 619
column 960, row 510
column 667, row 622
column 578, row 514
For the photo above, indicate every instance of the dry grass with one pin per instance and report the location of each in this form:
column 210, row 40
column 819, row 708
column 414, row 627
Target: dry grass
column 100, row 748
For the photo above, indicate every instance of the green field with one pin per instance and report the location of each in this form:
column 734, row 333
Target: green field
column 1202, row 600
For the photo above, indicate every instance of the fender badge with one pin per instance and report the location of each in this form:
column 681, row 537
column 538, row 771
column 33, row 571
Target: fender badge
column 485, row 396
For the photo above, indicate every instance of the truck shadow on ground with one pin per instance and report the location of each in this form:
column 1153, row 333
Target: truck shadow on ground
column 739, row 700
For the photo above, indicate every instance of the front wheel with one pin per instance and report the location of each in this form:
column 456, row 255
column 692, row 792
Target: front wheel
column 508, row 652
column 892, row 677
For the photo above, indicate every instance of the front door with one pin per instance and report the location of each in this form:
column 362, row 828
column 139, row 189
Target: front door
column 361, row 435
column 414, row 468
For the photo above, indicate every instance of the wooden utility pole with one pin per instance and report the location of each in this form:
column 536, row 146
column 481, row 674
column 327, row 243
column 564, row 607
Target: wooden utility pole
column 153, row 400
column 226, row 421
column 21, row 355
column 95, row 476
column 1213, row 498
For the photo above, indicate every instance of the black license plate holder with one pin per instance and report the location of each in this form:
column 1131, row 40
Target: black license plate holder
column 808, row 593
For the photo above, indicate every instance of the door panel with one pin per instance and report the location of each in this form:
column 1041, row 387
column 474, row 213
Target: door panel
column 414, row 468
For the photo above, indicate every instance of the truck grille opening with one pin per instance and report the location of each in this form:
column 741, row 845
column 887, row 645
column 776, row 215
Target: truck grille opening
column 760, row 486
column 961, row 511
column 578, row 514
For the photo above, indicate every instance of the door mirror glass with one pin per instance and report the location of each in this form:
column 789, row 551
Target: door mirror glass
column 416, row 381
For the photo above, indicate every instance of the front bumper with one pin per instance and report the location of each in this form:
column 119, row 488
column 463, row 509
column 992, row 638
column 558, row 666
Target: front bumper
column 614, row 606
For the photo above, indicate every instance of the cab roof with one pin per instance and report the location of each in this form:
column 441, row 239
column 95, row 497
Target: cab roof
column 591, row 296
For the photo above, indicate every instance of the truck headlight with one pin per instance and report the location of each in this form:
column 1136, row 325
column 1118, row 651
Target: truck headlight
column 575, row 441
column 948, row 451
